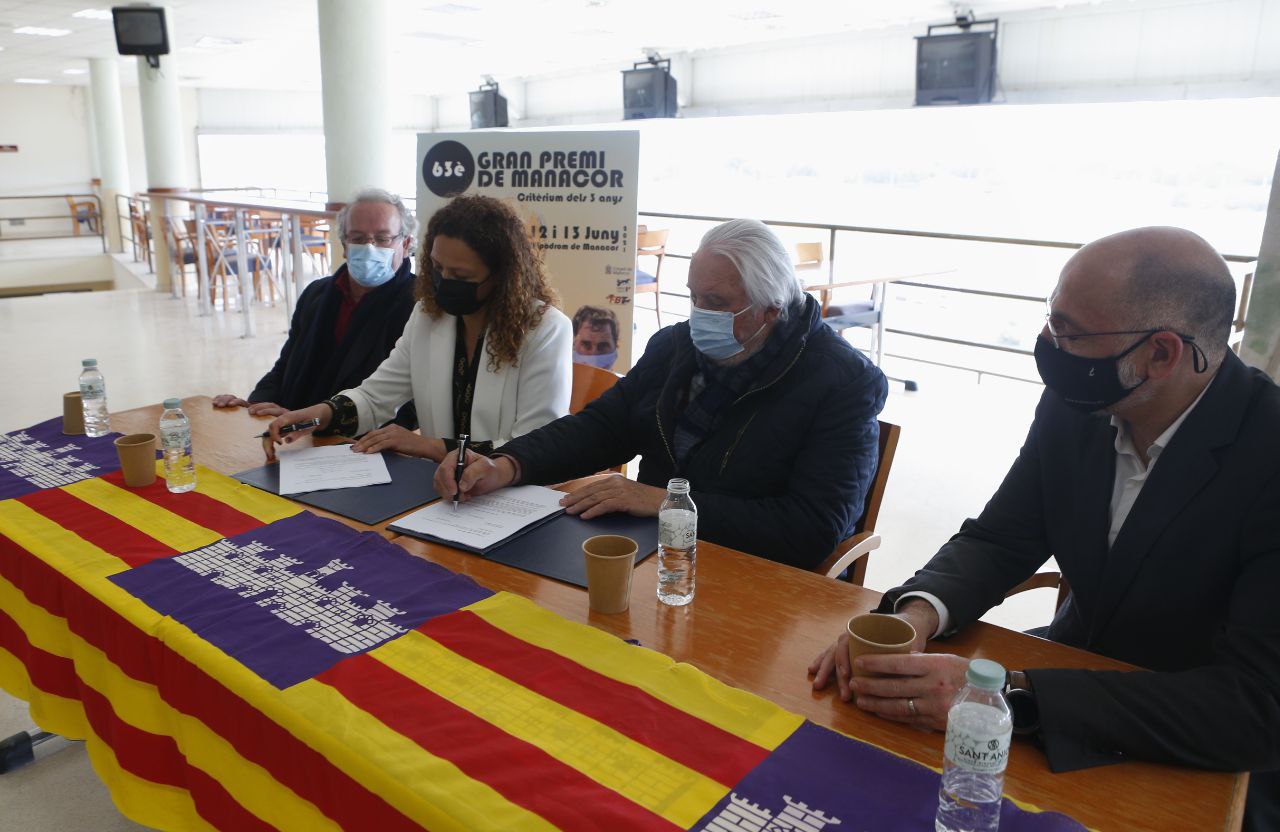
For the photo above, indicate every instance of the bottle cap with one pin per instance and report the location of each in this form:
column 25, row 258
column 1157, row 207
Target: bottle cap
column 172, row 404
column 985, row 674
column 89, row 362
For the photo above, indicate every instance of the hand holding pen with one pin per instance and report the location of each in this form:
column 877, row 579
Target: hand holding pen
column 288, row 427
column 461, row 465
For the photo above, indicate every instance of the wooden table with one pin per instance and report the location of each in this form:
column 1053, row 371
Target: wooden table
column 756, row 625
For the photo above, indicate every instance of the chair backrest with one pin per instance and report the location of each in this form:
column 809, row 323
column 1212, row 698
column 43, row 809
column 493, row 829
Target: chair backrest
column 652, row 242
column 889, row 434
column 588, row 383
column 851, row 554
column 808, row 253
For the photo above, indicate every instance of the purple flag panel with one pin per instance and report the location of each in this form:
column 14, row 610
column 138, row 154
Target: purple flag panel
column 822, row 781
column 293, row 598
column 42, row 456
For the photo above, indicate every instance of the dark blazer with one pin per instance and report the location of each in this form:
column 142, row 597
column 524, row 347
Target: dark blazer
column 311, row 367
column 1190, row 590
column 783, row 475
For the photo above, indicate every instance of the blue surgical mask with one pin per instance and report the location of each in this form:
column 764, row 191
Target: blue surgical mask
column 712, row 332
column 369, row 265
column 603, row 360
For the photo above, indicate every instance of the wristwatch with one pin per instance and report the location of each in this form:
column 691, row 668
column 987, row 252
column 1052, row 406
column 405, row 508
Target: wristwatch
column 1022, row 701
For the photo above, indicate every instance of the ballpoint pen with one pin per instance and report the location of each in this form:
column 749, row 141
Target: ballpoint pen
column 457, row 472
column 310, row 423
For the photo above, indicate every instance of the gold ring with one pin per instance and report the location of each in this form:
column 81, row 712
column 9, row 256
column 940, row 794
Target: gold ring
column 911, row 706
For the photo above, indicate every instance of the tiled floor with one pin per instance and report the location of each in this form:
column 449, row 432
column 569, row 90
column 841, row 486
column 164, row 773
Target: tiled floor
column 958, row 438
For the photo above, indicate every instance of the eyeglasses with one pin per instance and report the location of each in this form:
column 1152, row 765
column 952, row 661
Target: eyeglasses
column 1199, row 360
column 379, row 240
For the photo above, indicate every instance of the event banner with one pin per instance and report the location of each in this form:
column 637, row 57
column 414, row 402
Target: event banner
column 576, row 191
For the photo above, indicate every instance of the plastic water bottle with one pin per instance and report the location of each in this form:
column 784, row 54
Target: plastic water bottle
column 677, row 545
column 93, row 398
column 175, row 440
column 979, row 727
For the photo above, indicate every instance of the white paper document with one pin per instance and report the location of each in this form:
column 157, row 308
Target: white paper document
column 333, row 466
column 486, row 521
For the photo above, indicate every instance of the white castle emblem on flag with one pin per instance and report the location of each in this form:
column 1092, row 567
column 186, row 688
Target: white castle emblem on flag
column 741, row 815
column 42, row 466
column 297, row 598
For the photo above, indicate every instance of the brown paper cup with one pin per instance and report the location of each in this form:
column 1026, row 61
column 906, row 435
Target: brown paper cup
column 72, row 414
column 137, row 453
column 874, row 632
column 610, row 562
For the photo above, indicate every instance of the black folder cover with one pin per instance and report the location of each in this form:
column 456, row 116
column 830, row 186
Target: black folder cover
column 410, row 488
column 553, row 548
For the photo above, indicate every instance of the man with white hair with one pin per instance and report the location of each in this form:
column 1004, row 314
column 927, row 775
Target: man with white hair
column 1152, row 475
column 345, row 325
column 768, row 414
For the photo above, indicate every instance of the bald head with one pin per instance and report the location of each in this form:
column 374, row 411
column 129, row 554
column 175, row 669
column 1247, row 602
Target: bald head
column 1158, row 278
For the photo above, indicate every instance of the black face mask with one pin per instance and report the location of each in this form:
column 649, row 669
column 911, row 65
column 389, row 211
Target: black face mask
column 1087, row 384
column 457, row 297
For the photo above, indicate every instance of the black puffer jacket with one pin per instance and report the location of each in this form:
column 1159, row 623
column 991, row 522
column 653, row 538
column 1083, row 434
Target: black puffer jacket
column 785, row 474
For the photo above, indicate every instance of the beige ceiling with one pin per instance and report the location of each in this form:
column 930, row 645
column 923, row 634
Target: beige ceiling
column 445, row 45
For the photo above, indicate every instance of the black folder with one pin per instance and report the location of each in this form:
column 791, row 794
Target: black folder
column 553, row 547
column 410, row 488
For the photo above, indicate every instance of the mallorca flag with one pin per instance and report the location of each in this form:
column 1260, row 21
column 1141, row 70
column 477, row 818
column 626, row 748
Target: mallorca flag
column 234, row 663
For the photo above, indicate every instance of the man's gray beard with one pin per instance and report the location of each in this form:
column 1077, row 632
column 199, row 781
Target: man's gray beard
column 1129, row 378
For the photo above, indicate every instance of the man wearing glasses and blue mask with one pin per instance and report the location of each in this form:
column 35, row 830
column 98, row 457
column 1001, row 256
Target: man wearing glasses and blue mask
column 768, row 414
column 1152, row 475
column 345, row 325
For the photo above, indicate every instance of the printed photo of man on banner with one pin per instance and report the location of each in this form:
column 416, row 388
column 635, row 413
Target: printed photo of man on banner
column 576, row 191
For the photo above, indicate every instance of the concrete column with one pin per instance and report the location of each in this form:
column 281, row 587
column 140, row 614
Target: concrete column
column 162, row 139
column 355, row 74
column 113, row 157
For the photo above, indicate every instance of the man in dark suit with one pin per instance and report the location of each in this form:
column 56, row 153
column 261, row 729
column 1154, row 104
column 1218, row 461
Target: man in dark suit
column 346, row 324
column 1152, row 474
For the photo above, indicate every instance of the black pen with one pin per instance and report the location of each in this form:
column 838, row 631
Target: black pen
column 310, row 423
column 457, row 472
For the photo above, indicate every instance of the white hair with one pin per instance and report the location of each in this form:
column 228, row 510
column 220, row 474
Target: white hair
column 761, row 260
column 408, row 223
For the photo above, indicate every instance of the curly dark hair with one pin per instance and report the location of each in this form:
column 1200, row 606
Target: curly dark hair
column 499, row 238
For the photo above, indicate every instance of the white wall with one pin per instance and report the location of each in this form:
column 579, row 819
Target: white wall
column 50, row 126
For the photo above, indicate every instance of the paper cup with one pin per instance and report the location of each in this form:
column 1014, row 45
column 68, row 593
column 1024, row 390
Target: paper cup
column 137, row 453
column 610, row 562
column 72, row 414
column 874, row 632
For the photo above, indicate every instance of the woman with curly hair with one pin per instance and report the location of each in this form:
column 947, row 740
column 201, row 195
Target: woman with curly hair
column 485, row 352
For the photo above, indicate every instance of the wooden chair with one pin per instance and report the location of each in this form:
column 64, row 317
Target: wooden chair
column 809, row 257
column 1044, row 580
column 223, row 258
column 652, row 244
column 588, row 383
column 83, row 212
column 141, row 232
column 181, row 237
column 852, row 552
column 315, row 241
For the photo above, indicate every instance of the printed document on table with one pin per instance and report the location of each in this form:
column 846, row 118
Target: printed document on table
column 483, row 522
column 333, row 466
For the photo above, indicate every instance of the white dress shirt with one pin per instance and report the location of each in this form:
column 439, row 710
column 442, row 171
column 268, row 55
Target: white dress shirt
column 1130, row 476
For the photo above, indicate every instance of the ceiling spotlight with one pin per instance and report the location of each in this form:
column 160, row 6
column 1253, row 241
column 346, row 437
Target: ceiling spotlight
column 74, row 71
column 93, row 14
column 31, row 80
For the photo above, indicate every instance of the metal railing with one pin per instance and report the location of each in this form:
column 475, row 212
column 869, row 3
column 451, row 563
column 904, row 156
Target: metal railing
column 246, row 237
column 82, row 213
column 134, row 224
column 833, row 232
